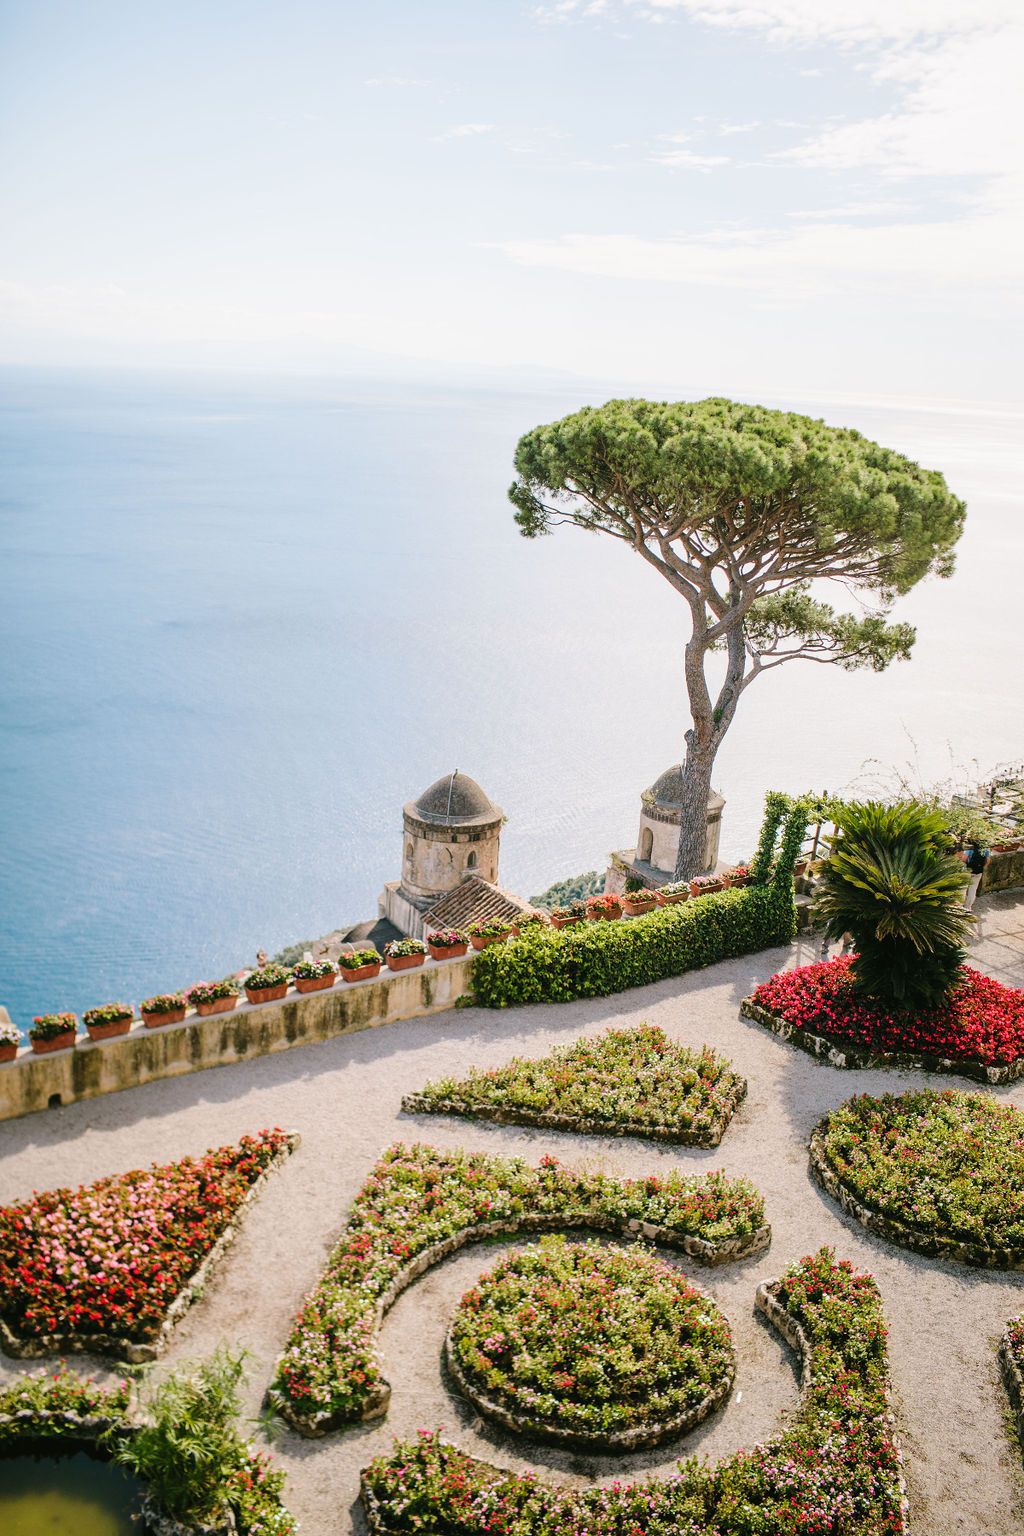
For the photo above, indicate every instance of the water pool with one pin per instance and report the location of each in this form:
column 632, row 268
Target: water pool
column 75, row 1495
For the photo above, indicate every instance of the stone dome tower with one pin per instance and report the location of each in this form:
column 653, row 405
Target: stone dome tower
column 653, row 860
column 451, row 833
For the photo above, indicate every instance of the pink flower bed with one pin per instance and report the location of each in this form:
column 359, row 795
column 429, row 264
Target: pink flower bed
column 981, row 1020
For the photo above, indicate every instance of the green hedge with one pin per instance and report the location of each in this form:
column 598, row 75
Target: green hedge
column 594, row 959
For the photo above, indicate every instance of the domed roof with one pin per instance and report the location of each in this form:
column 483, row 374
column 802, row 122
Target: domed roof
column 454, row 800
column 667, row 789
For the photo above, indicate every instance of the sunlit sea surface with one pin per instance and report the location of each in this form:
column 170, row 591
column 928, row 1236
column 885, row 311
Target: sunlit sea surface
column 242, row 623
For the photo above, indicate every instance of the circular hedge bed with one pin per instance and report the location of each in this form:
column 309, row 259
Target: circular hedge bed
column 942, row 1173
column 588, row 1346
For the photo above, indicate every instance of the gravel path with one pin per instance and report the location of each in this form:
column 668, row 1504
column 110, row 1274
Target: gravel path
column 344, row 1098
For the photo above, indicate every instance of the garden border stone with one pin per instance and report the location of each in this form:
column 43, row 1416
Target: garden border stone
column 581, row 1125
column 730, row 1250
column 137, row 1352
column 615, row 1442
column 904, row 1234
column 855, row 1058
column 1013, row 1381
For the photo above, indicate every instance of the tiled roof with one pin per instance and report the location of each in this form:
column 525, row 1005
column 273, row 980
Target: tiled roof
column 475, row 900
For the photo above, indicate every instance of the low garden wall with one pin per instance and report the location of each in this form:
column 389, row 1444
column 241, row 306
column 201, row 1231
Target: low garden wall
column 1003, row 871
column 32, row 1082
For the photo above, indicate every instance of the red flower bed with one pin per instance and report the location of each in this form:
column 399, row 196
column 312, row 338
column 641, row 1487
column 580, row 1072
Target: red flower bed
column 109, row 1258
column 981, row 1020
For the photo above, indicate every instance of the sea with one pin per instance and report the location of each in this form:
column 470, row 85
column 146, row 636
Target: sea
column 243, row 620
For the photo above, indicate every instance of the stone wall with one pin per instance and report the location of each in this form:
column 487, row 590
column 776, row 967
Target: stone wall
column 1003, row 871
column 34, row 1082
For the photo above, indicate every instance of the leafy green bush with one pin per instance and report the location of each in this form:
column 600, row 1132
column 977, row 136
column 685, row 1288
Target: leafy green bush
column 632, row 1080
column 574, row 888
column 892, row 882
column 834, row 1468
column 28, row 1405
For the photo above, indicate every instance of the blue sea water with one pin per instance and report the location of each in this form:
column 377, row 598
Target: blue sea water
column 243, row 621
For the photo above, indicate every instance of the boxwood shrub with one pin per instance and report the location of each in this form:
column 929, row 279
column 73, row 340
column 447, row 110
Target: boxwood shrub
column 556, row 965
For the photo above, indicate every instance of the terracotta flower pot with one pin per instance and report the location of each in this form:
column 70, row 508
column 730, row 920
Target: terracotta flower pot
column 108, row 1031
column 219, row 1005
column 706, row 890
column 605, row 917
column 638, row 908
column 360, row 972
column 565, row 922
column 314, row 983
column 58, row 1043
column 675, row 898
column 266, row 994
column 733, row 882
column 447, row 951
column 154, row 1020
column 404, row 962
column 482, row 940
column 8, row 1050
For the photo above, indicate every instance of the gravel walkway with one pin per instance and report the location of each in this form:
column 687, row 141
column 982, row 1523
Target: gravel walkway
column 344, row 1097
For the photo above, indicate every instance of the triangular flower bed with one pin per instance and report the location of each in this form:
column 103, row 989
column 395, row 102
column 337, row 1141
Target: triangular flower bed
column 836, row 1468
column 626, row 1082
column 109, row 1267
column 420, row 1205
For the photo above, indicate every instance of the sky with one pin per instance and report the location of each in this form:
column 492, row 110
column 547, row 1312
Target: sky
column 711, row 196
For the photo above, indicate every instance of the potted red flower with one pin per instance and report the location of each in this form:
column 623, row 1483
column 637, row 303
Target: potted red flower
column 706, row 885
column 604, row 909
column 359, row 964
column 567, row 917
column 267, row 985
column 528, row 922
column 313, row 975
column 9, row 1040
column 739, row 875
column 165, row 1008
column 636, row 903
column 673, row 893
column 404, row 954
column 483, row 934
column 447, row 943
column 53, row 1032
column 112, row 1019
column 208, row 997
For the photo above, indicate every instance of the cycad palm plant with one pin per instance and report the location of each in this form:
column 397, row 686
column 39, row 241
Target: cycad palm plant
column 892, row 883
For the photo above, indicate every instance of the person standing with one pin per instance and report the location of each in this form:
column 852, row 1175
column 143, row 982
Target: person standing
column 976, row 860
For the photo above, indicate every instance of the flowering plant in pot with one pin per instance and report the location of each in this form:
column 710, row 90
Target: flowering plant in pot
column 636, row 903
column 706, row 885
column 313, row 975
column 564, row 917
column 165, row 1008
column 111, row 1019
column 53, row 1032
column 481, row 934
column 447, row 943
column 9, row 1040
column 403, row 954
column 359, row 964
column 528, row 922
column 267, row 985
column 606, row 908
column 676, row 891
column 209, row 997
column 738, row 875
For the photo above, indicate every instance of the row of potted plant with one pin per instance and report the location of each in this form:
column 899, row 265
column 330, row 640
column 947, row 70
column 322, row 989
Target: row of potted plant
column 609, row 908
column 59, row 1031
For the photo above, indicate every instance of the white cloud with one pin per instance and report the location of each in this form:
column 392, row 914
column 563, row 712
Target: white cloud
column 464, row 131
column 816, row 21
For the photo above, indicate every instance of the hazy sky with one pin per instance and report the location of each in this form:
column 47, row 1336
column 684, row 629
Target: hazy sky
column 808, row 195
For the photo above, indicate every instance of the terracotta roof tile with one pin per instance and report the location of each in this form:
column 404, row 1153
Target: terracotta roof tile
column 475, row 900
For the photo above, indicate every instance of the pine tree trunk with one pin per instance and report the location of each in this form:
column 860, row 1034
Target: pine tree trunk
column 693, row 831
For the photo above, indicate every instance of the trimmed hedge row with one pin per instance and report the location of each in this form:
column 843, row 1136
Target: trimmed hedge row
column 554, row 966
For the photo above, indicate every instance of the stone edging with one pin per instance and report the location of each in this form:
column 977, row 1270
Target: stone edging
column 767, row 1302
column 582, row 1125
column 934, row 1245
column 134, row 1351
column 731, row 1250
column 853, row 1057
column 1013, row 1381
column 615, row 1442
